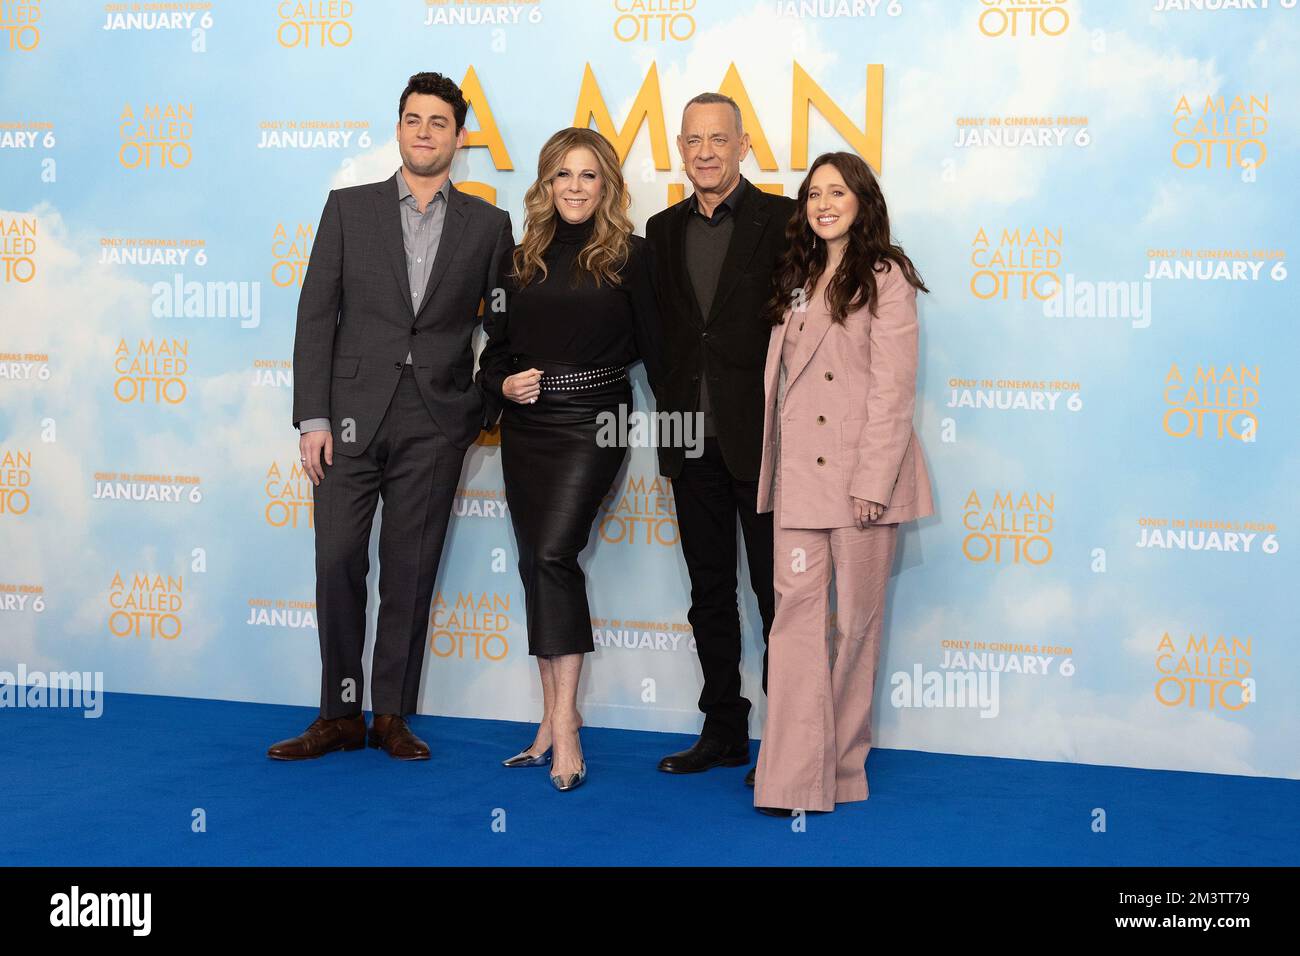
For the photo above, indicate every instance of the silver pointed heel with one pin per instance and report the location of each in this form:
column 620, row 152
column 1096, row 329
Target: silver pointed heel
column 525, row 759
column 569, row 781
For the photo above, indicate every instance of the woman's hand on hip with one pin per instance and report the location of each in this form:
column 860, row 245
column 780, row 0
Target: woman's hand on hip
column 523, row 387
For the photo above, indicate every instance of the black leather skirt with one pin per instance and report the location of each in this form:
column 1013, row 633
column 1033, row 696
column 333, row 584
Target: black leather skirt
column 556, row 475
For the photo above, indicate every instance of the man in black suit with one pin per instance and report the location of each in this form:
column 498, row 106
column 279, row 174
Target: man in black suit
column 715, row 253
column 385, row 401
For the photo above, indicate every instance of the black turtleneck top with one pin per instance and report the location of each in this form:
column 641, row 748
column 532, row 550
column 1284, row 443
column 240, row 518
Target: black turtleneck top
column 567, row 318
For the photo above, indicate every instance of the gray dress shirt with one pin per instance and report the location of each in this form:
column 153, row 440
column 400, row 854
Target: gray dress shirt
column 421, row 234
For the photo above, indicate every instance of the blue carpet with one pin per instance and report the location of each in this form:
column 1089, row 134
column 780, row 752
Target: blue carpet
column 120, row 790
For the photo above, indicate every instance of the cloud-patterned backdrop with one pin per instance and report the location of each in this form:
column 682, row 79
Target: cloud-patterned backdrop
column 1100, row 197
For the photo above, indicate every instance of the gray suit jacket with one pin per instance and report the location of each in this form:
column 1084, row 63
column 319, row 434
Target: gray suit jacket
column 356, row 322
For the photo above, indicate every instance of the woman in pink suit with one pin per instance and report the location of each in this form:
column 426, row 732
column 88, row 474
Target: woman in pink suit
column 842, row 467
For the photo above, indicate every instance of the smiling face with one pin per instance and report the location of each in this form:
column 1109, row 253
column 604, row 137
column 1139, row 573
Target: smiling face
column 576, row 187
column 832, row 206
column 426, row 135
column 711, row 146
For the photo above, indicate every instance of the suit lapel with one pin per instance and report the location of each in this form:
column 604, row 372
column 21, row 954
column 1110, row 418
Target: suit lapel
column 388, row 210
column 453, row 227
column 750, row 220
column 817, row 321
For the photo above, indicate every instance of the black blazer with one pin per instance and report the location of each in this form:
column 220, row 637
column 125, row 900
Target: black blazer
column 356, row 322
column 731, row 347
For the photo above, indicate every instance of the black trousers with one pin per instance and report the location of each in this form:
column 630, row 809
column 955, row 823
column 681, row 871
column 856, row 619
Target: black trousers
column 412, row 466
column 709, row 500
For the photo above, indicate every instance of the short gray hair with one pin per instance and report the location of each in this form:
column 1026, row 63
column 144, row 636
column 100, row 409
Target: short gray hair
column 704, row 98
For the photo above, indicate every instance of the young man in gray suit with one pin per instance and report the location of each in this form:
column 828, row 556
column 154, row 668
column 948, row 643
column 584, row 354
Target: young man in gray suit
column 385, row 401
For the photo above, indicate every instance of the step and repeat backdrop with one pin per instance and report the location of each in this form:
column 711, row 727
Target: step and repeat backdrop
column 1100, row 195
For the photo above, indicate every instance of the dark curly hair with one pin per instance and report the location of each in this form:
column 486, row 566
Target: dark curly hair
column 869, row 249
column 435, row 84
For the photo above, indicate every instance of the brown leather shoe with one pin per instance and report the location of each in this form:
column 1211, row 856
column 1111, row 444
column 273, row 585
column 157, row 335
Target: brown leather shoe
column 322, row 737
column 390, row 732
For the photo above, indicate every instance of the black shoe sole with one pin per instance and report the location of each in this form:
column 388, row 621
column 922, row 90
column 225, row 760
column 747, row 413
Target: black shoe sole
column 728, row 762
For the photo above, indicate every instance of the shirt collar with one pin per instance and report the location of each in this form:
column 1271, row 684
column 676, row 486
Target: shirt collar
column 404, row 190
column 729, row 202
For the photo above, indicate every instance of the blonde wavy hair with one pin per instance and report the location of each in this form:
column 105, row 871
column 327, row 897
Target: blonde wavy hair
column 607, row 250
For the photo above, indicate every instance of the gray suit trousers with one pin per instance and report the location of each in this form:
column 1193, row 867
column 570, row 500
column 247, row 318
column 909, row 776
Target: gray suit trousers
column 412, row 466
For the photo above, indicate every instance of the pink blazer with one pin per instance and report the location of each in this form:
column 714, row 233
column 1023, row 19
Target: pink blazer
column 846, row 423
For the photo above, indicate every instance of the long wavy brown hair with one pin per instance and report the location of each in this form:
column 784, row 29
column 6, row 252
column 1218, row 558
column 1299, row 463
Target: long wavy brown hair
column 869, row 248
column 606, row 252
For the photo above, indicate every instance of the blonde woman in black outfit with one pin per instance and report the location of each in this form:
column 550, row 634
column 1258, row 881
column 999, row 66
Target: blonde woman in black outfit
column 579, row 306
